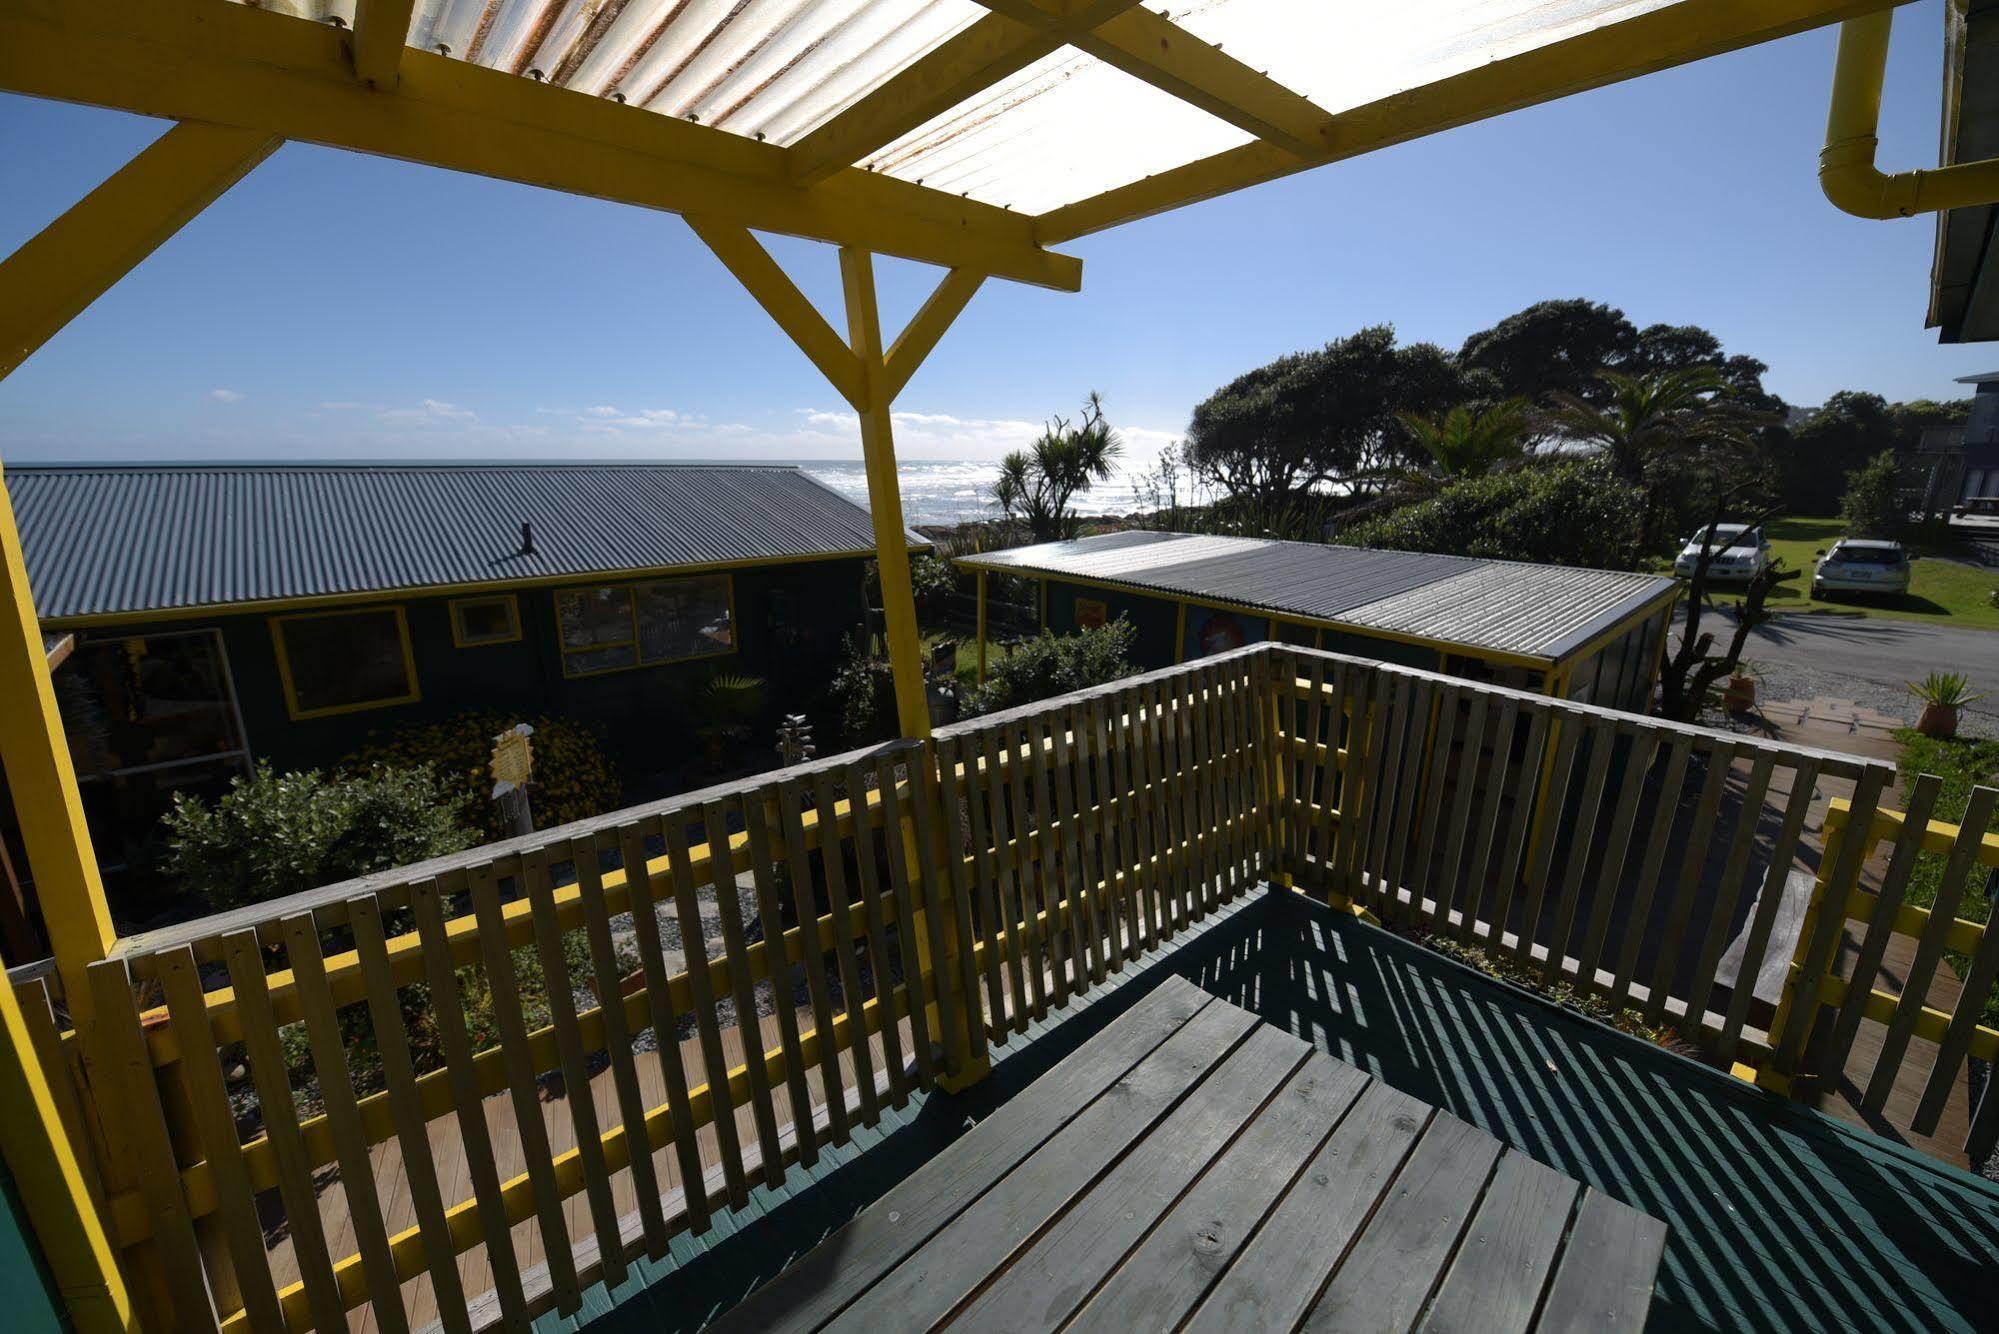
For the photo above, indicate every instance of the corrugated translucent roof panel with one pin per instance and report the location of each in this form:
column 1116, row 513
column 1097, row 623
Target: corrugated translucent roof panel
column 112, row 540
column 1542, row 611
column 1066, row 128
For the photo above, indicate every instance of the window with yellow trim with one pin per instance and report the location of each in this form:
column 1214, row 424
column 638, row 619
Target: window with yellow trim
column 476, row 622
column 607, row 629
column 334, row 662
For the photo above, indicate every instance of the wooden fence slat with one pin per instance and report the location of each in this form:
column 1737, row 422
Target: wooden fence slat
column 921, row 990
column 1195, row 871
column 1015, row 741
column 522, row 1086
column 1679, row 909
column 1094, row 860
column 440, row 1257
column 947, row 921
column 1964, row 1021
column 1610, row 885
column 215, row 1125
column 1239, row 733
column 609, row 982
column 1159, row 760
column 1392, row 735
column 1054, row 936
column 343, row 1119
column 1729, row 892
column 701, row 988
column 1804, row 785
column 1303, row 767
column 1263, row 724
column 1005, row 834
column 1874, row 944
column 1143, row 812
column 1357, row 785
column 856, row 778
column 1957, row 869
column 782, row 995
column 1548, row 804
column 448, row 1010
column 805, row 910
column 1430, row 822
column 245, row 958
column 832, row 860
column 1512, row 849
column 665, row 1023
column 1069, row 806
column 1651, row 865
column 1211, row 754
column 985, row 881
column 573, row 1062
column 1112, row 835
column 1470, row 769
column 1417, row 743
column 1821, row 938
column 1497, row 774
column 1581, row 841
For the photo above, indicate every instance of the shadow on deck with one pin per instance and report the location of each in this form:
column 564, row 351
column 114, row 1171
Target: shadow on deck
column 1781, row 1218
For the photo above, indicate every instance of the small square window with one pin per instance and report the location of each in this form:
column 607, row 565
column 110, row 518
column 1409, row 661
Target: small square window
column 479, row 621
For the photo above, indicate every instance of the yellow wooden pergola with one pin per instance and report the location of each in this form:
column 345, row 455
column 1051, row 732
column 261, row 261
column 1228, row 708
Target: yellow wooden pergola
column 974, row 135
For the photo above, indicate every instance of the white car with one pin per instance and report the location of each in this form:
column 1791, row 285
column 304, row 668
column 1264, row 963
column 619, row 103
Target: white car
column 1740, row 553
column 1857, row 565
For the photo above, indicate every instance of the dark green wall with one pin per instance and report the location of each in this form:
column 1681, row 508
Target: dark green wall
column 791, row 621
column 1154, row 619
column 32, row 1304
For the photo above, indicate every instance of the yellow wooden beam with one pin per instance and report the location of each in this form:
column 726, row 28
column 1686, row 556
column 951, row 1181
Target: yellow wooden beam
column 1150, row 47
column 230, row 64
column 1642, row 44
column 381, row 29
column 991, row 50
column 50, row 1178
column 920, row 335
column 71, row 262
column 779, row 296
column 905, row 650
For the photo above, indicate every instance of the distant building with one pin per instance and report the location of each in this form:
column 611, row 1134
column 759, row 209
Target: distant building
column 217, row 615
column 1591, row 635
column 1958, row 463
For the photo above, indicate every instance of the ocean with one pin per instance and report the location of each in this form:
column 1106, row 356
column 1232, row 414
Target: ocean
column 941, row 492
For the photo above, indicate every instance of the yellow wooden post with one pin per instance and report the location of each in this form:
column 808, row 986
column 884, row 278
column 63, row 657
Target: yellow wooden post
column 1180, row 632
column 43, row 784
column 982, row 626
column 49, row 1174
column 905, row 653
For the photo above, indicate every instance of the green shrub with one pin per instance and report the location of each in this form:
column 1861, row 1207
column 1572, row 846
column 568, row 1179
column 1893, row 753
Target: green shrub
column 862, row 697
column 1573, row 512
column 573, row 777
column 274, row 834
column 1870, row 506
column 1050, row 665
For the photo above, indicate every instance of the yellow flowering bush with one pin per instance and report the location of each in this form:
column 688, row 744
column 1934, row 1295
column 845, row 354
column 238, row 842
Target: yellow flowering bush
column 573, row 777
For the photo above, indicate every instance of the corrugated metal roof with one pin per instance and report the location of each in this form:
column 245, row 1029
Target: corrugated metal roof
column 1541, row 611
column 112, row 540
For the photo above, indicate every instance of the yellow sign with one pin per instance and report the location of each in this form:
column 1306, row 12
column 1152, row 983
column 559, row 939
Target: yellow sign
column 513, row 759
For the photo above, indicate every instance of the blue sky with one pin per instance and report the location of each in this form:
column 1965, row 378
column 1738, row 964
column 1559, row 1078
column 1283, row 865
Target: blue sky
column 339, row 306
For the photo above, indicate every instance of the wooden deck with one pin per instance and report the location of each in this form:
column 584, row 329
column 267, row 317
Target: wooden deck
column 1780, row 1218
column 1191, row 1164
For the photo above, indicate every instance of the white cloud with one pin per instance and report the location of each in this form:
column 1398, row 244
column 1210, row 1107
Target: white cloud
column 226, row 395
column 430, row 410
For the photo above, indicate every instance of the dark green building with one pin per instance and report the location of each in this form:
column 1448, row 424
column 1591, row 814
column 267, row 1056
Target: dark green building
column 211, row 616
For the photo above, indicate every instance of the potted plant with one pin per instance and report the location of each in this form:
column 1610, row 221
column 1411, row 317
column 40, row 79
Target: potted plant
column 1739, row 696
column 1942, row 694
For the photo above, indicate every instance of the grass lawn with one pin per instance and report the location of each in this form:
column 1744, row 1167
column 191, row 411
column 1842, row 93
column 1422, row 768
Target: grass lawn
column 1941, row 592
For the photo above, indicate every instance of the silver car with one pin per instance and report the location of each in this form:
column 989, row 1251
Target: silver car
column 1859, row 565
column 1740, row 554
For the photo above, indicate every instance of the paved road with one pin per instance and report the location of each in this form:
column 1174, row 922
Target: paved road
column 1808, row 654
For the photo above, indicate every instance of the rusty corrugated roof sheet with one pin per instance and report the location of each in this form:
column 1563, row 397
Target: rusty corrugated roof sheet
column 1539, row 611
column 124, row 539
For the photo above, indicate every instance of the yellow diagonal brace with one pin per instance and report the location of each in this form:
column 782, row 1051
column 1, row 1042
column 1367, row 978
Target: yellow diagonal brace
column 71, row 262
column 779, row 296
column 1149, row 46
column 982, row 55
column 920, row 335
column 1649, row 41
column 381, row 27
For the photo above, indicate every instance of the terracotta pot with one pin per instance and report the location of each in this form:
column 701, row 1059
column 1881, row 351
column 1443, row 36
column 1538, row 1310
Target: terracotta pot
column 1740, row 696
column 1938, row 720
